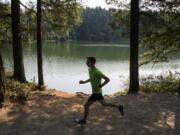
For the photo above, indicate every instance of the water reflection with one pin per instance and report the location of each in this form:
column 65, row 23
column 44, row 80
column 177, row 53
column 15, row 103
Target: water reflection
column 65, row 64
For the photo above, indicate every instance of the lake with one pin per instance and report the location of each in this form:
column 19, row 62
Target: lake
column 65, row 64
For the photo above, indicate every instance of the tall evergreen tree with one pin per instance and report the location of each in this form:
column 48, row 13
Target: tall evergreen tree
column 2, row 82
column 134, row 50
column 19, row 73
column 39, row 44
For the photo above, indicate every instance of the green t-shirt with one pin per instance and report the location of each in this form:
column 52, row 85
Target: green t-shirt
column 95, row 79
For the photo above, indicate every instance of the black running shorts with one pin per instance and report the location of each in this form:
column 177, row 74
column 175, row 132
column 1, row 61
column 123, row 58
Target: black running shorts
column 95, row 97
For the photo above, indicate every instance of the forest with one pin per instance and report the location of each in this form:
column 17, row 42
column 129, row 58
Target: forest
column 93, row 24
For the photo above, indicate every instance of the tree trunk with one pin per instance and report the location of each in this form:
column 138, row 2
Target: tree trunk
column 2, row 82
column 134, row 50
column 39, row 45
column 19, row 73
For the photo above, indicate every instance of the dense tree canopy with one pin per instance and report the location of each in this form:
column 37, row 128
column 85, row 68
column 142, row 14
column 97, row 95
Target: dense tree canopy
column 4, row 22
column 159, row 27
column 61, row 16
column 63, row 20
column 58, row 18
column 164, row 39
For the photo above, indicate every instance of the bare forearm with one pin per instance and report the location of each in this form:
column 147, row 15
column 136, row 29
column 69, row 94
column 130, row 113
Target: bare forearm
column 86, row 81
column 104, row 83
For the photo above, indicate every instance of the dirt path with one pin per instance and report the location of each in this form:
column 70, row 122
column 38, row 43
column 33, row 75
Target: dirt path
column 52, row 113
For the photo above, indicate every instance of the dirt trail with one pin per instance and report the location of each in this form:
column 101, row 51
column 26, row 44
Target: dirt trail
column 53, row 113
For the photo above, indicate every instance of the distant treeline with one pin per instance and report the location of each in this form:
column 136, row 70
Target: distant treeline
column 88, row 24
column 95, row 26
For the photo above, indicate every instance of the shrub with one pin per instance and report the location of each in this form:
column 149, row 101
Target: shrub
column 19, row 92
column 121, row 93
column 160, row 83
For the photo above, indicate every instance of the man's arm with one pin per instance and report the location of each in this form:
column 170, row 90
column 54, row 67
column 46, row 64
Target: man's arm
column 105, row 82
column 82, row 82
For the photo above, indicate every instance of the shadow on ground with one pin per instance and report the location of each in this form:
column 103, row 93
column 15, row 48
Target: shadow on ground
column 51, row 114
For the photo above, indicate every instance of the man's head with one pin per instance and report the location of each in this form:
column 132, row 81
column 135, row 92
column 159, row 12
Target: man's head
column 91, row 61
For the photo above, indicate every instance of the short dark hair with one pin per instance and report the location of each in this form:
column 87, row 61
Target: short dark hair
column 92, row 59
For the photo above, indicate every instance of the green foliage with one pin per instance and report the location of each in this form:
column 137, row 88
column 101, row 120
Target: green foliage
column 120, row 21
column 61, row 16
column 163, row 42
column 164, row 38
column 63, row 20
column 19, row 92
column 58, row 19
column 5, row 30
column 94, row 26
column 159, row 27
column 120, row 4
column 121, row 93
column 160, row 83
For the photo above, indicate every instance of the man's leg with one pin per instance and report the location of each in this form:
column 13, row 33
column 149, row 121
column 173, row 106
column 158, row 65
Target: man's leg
column 86, row 112
column 86, row 109
column 120, row 107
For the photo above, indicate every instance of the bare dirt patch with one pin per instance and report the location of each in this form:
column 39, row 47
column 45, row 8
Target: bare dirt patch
column 53, row 113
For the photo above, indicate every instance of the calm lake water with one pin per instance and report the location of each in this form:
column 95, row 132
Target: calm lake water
column 65, row 65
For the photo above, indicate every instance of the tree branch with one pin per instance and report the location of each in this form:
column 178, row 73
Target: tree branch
column 31, row 10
